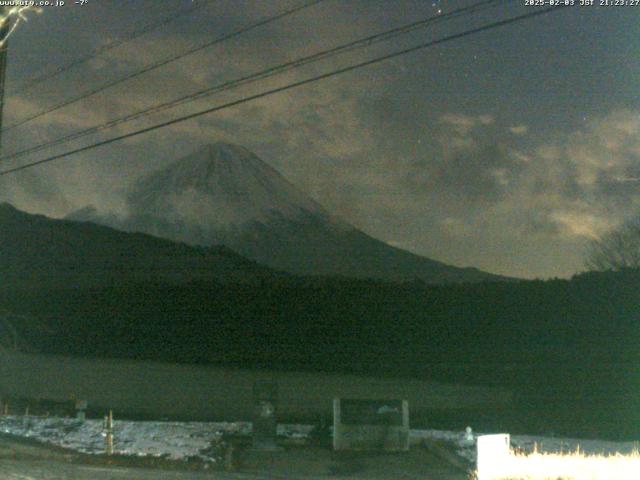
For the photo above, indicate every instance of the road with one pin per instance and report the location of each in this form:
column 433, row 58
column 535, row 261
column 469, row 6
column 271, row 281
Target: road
column 54, row 470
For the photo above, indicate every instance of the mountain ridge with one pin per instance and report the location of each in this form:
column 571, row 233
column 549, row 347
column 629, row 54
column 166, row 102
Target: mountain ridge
column 37, row 250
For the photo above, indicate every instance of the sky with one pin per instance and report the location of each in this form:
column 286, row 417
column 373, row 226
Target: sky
column 509, row 150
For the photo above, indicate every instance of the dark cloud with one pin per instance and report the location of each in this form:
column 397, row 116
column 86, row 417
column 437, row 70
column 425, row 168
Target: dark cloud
column 32, row 191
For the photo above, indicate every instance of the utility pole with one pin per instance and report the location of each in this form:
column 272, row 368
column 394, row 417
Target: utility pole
column 4, row 31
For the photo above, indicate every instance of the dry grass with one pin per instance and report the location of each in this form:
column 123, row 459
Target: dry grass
column 566, row 466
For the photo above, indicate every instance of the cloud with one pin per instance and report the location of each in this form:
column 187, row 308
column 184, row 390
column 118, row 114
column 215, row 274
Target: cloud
column 519, row 129
column 580, row 224
column 30, row 190
column 467, row 191
column 577, row 179
column 464, row 124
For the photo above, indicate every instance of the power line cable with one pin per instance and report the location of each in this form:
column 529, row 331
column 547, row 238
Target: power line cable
column 109, row 46
column 261, row 75
column 351, row 46
column 290, row 86
column 164, row 62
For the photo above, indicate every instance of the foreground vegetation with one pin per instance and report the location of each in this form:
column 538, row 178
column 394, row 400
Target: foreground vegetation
column 566, row 466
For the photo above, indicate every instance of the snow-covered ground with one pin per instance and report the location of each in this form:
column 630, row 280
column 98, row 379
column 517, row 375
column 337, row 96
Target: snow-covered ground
column 182, row 440
column 174, row 440
column 527, row 443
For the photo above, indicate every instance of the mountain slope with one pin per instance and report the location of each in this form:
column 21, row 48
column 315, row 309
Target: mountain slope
column 37, row 251
column 225, row 195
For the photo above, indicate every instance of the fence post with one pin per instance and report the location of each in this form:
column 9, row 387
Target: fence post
column 81, row 410
column 265, row 395
column 108, row 427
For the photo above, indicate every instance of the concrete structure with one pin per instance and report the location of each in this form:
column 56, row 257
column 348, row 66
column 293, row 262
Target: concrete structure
column 164, row 390
column 370, row 425
column 265, row 395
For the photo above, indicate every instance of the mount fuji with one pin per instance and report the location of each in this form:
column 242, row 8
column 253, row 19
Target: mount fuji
column 225, row 195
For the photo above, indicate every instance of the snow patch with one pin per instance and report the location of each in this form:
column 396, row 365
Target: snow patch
column 183, row 440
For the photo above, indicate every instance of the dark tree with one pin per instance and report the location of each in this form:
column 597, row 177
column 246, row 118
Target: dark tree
column 618, row 250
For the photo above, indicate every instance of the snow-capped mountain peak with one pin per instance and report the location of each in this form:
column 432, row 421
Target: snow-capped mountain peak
column 220, row 186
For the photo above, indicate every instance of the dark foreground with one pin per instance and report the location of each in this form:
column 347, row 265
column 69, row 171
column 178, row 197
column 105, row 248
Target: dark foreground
column 28, row 460
column 53, row 470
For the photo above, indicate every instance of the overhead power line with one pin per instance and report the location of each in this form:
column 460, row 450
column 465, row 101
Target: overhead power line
column 161, row 63
column 118, row 42
column 290, row 86
column 263, row 74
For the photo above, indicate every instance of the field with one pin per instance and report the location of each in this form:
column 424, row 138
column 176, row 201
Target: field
column 145, row 389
